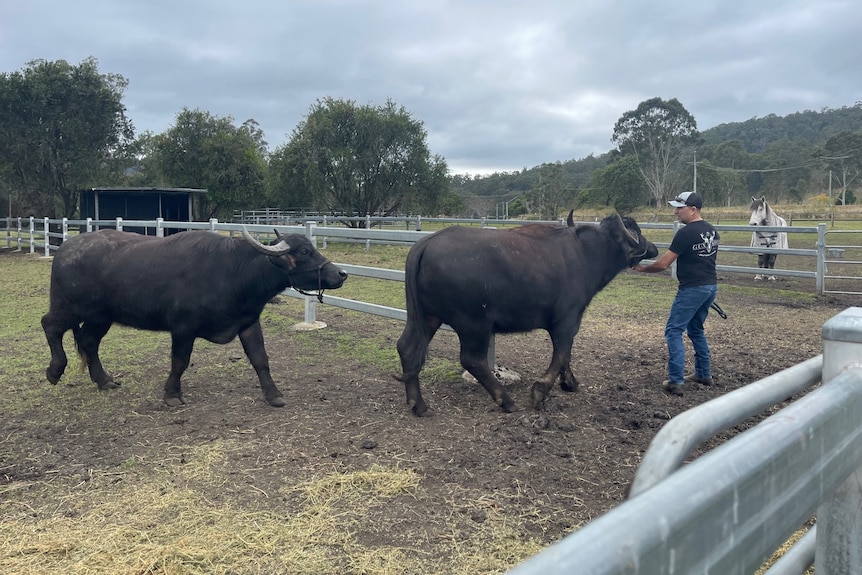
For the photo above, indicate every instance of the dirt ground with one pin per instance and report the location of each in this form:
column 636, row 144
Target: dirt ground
column 548, row 471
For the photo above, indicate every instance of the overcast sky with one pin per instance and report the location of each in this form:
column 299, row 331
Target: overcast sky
column 499, row 85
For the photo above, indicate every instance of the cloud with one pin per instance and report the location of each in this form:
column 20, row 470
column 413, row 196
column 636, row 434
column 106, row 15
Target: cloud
column 499, row 85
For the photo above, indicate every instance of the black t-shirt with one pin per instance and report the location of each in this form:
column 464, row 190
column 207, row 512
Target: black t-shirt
column 696, row 244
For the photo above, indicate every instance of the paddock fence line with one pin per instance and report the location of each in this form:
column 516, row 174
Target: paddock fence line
column 45, row 235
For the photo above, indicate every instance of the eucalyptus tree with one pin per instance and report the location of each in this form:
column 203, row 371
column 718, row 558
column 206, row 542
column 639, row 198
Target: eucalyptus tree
column 619, row 185
column 358, row 160
column 787, row 168
column 723, row 172
column 201, row 150
column 657, row 133
column 553, row 192
column 63, row 128
column 843, row 156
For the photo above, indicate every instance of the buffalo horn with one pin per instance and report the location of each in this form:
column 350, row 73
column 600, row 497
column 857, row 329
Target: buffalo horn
column 570, row 220
column 633, row 238
column 278, row 249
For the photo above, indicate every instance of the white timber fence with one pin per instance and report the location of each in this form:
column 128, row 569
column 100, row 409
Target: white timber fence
column 44, row 235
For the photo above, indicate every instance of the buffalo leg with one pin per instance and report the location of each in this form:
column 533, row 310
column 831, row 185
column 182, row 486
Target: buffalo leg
column 412, row 350
column 474, row 358
column 54, row 335
column 181, row 353
column 252, row 343
column 568, row 382
column 560, row 366
column 88, row 338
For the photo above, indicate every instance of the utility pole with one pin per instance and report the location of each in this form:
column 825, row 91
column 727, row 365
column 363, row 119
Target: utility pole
column 695, row 172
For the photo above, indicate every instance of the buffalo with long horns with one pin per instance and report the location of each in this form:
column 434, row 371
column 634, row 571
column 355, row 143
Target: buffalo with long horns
column 192, row 284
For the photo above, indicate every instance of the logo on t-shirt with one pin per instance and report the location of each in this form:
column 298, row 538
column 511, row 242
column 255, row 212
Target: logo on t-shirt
column 709, row 245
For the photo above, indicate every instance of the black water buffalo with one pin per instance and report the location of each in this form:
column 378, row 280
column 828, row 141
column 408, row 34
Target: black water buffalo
column 192, row 284
column 481, row 282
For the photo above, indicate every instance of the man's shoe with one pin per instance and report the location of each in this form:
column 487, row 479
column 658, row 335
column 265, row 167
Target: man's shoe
column 672, row 388
column 697, row 379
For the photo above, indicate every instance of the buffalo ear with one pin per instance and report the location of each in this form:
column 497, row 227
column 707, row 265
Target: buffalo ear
column 753, row 199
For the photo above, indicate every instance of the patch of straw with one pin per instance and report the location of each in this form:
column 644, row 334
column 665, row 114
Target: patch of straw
column 160, row 529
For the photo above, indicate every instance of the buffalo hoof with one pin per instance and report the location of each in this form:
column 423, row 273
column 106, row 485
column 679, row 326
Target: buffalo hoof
column 421, row 410
column 507, row 405
column 52, row 379
column 569, row 385
column 110, row 384
column 538, row 399
column 276, row 401
column 174, row 401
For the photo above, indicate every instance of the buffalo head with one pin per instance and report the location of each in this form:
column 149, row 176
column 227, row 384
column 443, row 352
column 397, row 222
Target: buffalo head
column 306, row 268
column 627, row 234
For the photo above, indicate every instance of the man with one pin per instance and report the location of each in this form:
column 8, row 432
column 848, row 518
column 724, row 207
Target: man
column 694, row 248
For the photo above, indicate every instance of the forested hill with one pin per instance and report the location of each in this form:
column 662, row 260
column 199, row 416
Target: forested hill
column 808, row 127
column 756, row 135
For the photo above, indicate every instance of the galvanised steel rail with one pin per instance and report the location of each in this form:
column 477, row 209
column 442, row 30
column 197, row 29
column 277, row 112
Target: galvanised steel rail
column 730, row 509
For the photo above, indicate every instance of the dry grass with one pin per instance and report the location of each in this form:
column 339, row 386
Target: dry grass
column 162, row 524
column 132, row 524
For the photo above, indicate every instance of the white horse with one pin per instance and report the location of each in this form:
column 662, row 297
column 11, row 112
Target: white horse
column 762, row 214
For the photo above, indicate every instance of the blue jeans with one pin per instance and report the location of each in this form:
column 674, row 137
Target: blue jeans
column 687, row 314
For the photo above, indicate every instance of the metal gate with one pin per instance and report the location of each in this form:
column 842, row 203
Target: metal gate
column 843, row 263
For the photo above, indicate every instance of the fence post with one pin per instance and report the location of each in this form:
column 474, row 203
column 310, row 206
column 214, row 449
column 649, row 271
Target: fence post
column 65, row 229
column 324, row 237
column 160, row 227
column 32, row 234
column 820, row 274
column 46, row 231
column 368, row 227
column 213, row 224
column 673, row 265
column 418, row 223
column 89, row 225
column 839, row 517
column 310, row 304
column 119, row 224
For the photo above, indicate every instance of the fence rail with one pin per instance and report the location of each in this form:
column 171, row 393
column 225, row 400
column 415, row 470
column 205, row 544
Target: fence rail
column 45, row 235
column 727, row 511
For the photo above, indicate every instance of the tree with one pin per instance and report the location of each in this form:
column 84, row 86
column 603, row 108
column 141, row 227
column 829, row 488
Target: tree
column 785, row 164
column 552, row 194
column 204, row 151
column 657, row 133
column 721, row 173
column 619, row 185
column 62, row 129
column 843, row 155
column 360, row 160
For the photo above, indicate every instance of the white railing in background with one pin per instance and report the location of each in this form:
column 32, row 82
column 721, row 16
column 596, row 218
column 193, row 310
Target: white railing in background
column 37, row 235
